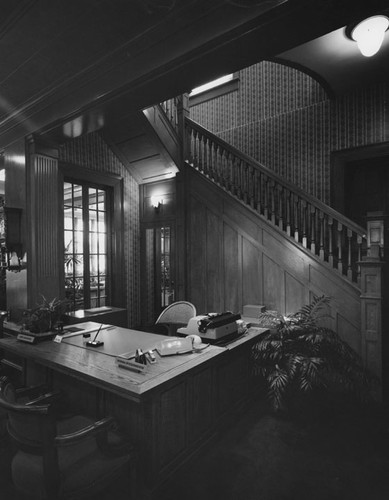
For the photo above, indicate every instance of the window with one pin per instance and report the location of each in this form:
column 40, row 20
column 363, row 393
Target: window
column 86, row 229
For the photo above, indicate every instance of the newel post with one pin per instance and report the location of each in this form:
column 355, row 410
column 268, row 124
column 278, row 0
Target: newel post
column 372, row 294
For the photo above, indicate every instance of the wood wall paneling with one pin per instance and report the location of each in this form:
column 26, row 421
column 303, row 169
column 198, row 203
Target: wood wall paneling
column 201, row 411
column 344, row 296
column 214, row 263
column 269, row 268
column 232, row 383
column 233, row 286
column 172, row 419
column 348, row 332
column 197, row 253
column 44, row 250
column 273, row 285
column 281, row 249
column 295, row 294
column 251, row 271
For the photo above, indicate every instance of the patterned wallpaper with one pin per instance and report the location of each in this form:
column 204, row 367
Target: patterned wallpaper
column 285, row 120
column 92, row 152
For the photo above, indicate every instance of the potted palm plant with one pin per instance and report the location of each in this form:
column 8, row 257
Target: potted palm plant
column 299, row 355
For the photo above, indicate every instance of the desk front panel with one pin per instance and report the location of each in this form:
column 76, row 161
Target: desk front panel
column 169, row 413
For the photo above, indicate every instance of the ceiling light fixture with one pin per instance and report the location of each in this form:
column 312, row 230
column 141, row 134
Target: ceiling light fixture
column 369, row 34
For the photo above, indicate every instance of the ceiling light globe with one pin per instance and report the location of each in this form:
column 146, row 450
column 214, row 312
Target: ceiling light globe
column 369, row 34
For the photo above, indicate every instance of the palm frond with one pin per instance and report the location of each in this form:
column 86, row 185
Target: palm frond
column 299, row 352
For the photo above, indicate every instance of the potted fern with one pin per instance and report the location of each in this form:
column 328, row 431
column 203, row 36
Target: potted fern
column 45, row 316
column 300, row 356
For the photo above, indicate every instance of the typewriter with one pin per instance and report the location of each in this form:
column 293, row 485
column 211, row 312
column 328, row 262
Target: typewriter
column 212, row 326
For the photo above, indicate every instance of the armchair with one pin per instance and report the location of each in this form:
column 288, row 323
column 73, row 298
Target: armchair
column 176, row 315
column 67, row 458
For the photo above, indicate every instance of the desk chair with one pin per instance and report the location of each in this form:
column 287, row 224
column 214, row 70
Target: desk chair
column 72, row 458
column 176, row 315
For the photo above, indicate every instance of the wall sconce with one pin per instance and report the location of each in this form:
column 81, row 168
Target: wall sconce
column 11, row 261
column 156, row 202
column 369, row 34
column 15, row 263
column 12, row 256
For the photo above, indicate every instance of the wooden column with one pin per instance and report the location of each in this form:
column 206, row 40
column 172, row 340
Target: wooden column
column 45, row 261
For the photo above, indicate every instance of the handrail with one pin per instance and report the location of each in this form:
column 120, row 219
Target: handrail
column 303, row 194
column 319, row 228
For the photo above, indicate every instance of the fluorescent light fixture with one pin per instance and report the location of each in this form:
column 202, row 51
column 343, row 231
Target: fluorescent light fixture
column 369, row 34
column 211, row 85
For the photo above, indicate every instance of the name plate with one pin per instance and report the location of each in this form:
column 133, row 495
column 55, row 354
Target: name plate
column 25, row 338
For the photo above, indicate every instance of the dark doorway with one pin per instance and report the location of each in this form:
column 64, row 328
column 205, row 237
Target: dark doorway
column 366, row 188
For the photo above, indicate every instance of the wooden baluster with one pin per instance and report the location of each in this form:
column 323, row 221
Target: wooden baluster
column 313, row 229
column 272, row 202
column 349, row 255
column 228, row 170
column 217, row 164
column 288, row 213
column 223, row 169
column 265, row 198
column 246, row 177
column 194, row 152
column 235, row 174
column 359, row 243
column 304, row 209
column 280, row 207
column 199, row 152
column 204, row 143
column 242, row 184
column 296, row 203
column 340, row 250
column 258, row 191
column 251, row 186
column 211, row 166
column 330, row 223
column 321, row 235
column 238, row 182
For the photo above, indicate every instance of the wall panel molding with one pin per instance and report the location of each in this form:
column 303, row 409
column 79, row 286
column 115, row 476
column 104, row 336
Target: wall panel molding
column 260, row 265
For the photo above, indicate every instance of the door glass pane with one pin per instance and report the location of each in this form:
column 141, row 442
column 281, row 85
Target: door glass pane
column 167, row 285
column 77, row 196
column 85, row 209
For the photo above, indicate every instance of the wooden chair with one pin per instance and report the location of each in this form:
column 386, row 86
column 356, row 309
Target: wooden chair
column 67, row 458
column 176, row 315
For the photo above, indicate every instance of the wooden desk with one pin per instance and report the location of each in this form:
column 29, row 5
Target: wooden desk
column 169, row 412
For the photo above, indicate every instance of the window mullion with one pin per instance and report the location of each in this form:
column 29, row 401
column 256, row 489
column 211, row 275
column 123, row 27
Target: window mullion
column 85, row 212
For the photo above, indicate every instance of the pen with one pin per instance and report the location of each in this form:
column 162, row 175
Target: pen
column 98, row 331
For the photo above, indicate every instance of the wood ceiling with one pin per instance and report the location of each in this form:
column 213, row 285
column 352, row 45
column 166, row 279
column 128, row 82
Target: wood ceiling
column 93, row 62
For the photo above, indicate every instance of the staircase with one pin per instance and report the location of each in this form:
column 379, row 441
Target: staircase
column 313, row 249
column 326, row 233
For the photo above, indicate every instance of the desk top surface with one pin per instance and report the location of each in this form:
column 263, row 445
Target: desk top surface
column 98, row 366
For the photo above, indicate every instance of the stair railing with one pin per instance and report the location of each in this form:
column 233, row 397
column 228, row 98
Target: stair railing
column 170, row 108
column 317, row 227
